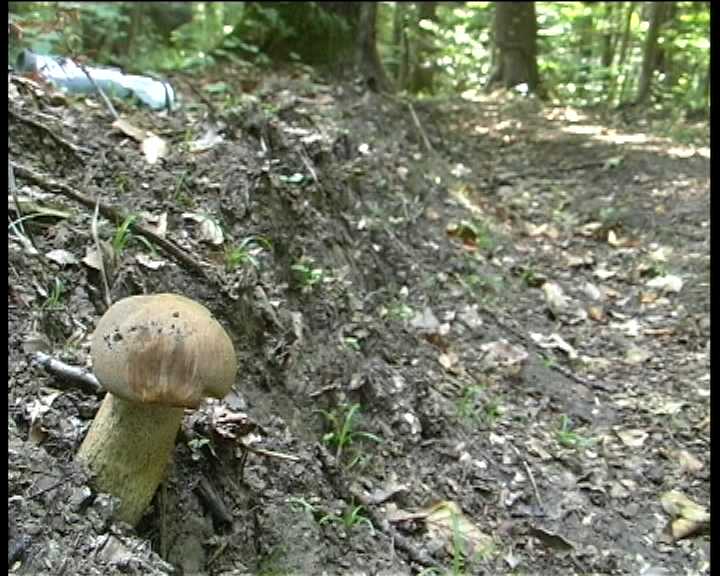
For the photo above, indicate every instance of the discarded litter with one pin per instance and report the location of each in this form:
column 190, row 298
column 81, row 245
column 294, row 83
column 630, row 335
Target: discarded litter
column 68, row 76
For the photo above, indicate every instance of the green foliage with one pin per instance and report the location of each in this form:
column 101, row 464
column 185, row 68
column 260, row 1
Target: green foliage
column 342, row 433
column 52, row 302
column 585, row 57
column 306, row 274
column 124, row 235
column 567, row 437
column 351, row 517
column 475, row 405
column 246, row 252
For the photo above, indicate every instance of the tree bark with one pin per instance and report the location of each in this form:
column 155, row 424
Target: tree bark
column 516, row 43
column 367, row 53
column 424, row 69
column 624, row 49
column 650, row 52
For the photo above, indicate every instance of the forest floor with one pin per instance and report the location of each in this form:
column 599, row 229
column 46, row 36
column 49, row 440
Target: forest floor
column 473, row 337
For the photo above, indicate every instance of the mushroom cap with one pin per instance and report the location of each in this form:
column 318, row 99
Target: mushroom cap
column 162, row 349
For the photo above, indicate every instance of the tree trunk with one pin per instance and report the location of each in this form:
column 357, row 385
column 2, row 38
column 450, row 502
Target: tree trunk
column 608, row 51
column 650, row 52
column 622, row 69
column 368, row 57
column 626, row 34
column 398, row 44
column 516, row 43
column 424, row 69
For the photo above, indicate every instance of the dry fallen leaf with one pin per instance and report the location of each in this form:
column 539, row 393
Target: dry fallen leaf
column 632, row 438
column 669, row 283
column 688, row 517
column 448, row 360
column 154, row 148
column 62, row 257
column 555, row 297
column 209, row 231
column 636, row 355
column 446, row 522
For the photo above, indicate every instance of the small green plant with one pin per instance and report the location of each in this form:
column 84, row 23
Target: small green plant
column 245, row 252
column 481, row 287
column 342, row 433
column 566, row 436
column 475, row 405
column 124, row 235
column 400, row 310
column 352, row 517
column 180, row 196
column 301, row 504
column 306, row 274
column 272, row 563
column 352, row 343
column 52, row 302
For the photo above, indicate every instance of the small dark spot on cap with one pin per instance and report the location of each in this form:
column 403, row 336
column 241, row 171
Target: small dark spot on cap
column 176, row 314
column 117, row 336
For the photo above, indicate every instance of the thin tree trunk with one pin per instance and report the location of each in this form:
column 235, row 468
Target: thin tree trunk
column 650, row 53
column 626, row 35
column 368, row 57
column 608, row 53
column 623, row 69
column 424, row 68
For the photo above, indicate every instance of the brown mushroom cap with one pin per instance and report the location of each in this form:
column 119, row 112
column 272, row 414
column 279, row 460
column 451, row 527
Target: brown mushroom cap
column 162, row 349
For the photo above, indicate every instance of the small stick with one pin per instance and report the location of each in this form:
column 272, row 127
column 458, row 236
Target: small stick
column 51, row 487
column 215, row 504
column 426, row 142
column 99, row 90
column 76, row 150
column 114, row 215
column 82, row 377
column 530, row 475
column 271, row 453
column 96, row 238
column 397, row 539
column 308, row 165
column 13, row 191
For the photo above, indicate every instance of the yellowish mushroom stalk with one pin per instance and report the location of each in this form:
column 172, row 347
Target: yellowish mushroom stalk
column 128, row 448
column 156, row 355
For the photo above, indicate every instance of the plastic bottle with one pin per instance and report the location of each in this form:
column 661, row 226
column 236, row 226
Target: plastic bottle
column 68, row 76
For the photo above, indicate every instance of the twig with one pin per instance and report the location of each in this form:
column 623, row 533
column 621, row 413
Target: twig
column 103, row 270
column 214, row 503
column 426, row 142
column 116, row 216
column 308, row 165
column 76, row 150
column 22, row 235
column 271, row 453
column 52, row 486
column 398, row 540
column 82, row 377
column 99, row 90
column 530, row 475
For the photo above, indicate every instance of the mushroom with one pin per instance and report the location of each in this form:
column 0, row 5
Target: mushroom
column 156, row 355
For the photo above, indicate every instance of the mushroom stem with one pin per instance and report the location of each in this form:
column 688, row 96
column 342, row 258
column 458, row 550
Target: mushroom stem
column 128, row 448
